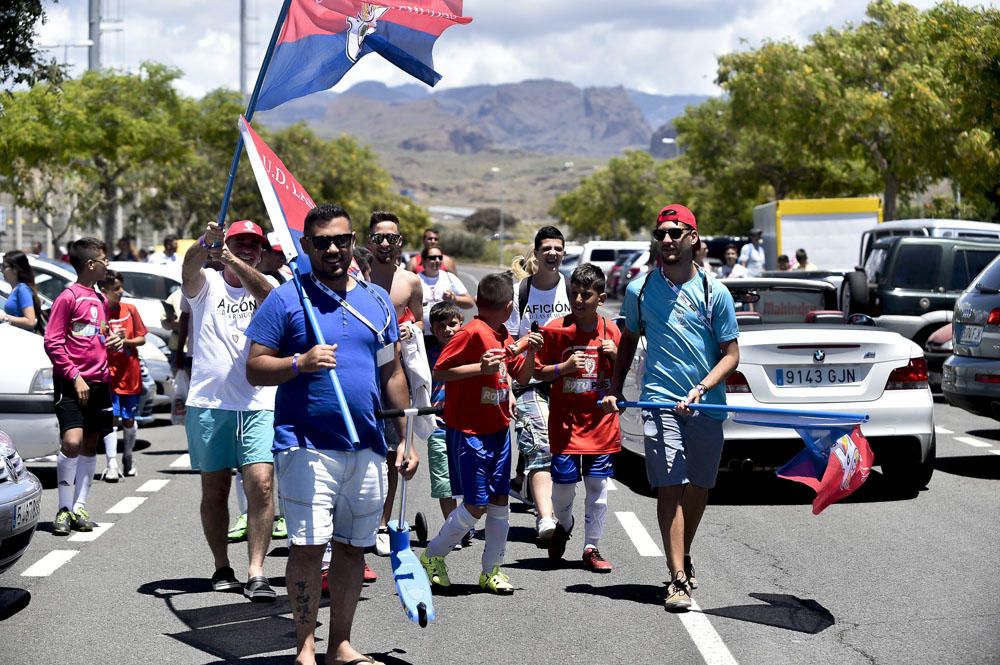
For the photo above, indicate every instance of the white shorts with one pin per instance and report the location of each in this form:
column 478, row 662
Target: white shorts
column 328, row 494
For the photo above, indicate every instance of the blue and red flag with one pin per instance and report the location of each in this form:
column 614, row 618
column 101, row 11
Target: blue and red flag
column 322, row 39
column 285, row 199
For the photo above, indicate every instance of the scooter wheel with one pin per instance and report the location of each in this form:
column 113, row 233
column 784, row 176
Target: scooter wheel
column 420, row 526
column 422, row 615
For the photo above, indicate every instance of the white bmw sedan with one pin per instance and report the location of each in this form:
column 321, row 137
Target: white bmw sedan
column 798, row 352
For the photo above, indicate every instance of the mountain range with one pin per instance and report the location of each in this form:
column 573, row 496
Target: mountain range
column 539, row 116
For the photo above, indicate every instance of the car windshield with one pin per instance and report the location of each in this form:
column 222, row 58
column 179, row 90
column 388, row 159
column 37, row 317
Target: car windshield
column 875, row 263
column 778, row 304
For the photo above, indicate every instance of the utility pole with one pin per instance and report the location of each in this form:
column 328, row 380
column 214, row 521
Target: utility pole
column 94, row 53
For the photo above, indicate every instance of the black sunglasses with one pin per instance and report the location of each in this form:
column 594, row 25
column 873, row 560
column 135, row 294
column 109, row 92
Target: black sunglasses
column 435, row 257
column 391, row 238
column 675, row 233
column 322, row 243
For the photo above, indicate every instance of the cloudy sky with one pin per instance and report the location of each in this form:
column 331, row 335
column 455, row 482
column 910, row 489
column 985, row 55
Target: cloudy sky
column 659, row 46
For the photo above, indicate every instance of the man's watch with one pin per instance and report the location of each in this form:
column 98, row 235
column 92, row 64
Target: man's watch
column 701, row 389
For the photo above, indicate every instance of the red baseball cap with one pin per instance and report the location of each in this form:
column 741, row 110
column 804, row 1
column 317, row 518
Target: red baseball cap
column 675, row 212
column 244, row 227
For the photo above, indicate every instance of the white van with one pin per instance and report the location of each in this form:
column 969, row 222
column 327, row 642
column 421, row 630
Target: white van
column 604, row 253
column 928, row 228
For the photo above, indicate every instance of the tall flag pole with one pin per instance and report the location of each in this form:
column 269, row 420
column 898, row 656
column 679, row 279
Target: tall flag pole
column 251, row 107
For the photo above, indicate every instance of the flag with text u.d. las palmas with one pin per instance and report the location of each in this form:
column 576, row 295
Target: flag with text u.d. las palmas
column 836, row 459
column 286, row 201
column 322, row 39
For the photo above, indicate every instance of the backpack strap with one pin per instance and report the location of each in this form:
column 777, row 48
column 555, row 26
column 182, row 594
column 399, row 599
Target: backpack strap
column 522, row 296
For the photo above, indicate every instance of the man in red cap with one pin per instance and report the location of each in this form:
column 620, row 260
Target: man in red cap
column 229, row 423
column 689, row 321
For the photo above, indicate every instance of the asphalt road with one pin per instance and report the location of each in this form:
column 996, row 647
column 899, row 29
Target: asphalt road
column 878, row 578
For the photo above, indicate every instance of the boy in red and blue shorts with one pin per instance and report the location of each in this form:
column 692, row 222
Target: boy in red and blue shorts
column 476, row 366
column 579, row 356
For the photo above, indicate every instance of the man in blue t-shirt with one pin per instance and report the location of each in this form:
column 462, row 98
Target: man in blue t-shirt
column 330, row 487
column 689, row 321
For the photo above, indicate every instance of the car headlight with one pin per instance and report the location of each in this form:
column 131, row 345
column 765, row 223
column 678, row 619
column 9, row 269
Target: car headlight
column 42, row 382
column 11, row 466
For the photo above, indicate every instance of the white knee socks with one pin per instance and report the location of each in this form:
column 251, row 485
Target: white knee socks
column 562, row 503
column 596, row 509
column 456, row 526
column 85, row 467
column 497, row 527
column 111, row 448
column 66, row 479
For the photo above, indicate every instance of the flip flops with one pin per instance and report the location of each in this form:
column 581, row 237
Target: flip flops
column 364, row 660
column 259, row 590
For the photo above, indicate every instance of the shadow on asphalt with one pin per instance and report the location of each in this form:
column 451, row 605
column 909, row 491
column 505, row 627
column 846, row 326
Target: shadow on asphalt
column 984, row 467
column 12, row 601
column 388, row 658
column 993, row 434
column 644, row 594
column 780, row 611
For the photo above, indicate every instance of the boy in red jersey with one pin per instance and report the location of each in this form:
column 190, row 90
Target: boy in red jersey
column 77, row 343
column 579, row 356
column 475, row 366
column 126, row 375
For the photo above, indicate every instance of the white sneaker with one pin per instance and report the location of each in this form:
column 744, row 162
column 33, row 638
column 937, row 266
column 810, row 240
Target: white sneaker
column 110, row 474
column 131, row 471
column 546, row 527
column 382, row 547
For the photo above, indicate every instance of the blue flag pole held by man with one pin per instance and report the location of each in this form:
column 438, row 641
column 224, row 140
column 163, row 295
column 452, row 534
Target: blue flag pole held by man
column 836, row 459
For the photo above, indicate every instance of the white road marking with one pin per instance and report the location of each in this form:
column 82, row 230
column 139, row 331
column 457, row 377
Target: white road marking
column 709, row 644
column 969, row 441
column 640, row 537
column 154, row 485
column 995, row 451
column 942, row 430
column 127, row 505
column 49, row 563
column 611, row 485
column 184, row 461
column 88, row 536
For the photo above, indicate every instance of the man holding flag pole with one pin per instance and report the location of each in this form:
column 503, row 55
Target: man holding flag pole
column 689, row 321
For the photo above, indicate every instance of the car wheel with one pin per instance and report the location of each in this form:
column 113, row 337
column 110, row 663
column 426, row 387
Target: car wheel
column 854, row 294
column 907, row 474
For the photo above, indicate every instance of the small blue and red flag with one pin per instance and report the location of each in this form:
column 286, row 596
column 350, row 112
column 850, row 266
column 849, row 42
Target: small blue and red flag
column 285, row 199
column 322, row 39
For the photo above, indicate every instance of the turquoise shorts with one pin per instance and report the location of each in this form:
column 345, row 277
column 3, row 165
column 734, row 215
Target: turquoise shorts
column 221, row 439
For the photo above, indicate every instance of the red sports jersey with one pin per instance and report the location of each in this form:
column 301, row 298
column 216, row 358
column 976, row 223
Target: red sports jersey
column 126, row 377
column 479, row 404
column 577, row 425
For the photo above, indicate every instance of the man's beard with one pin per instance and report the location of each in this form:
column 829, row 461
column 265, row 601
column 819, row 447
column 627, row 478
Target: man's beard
column 328, row 271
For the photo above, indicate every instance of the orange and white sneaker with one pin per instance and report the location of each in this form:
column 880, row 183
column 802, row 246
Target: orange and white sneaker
column 594, row 562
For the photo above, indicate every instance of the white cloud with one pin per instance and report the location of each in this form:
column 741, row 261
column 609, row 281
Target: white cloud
column 662, row 46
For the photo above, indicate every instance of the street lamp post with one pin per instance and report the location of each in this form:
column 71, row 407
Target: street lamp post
column 496, row 170
column 87, row 43
column 671, row 141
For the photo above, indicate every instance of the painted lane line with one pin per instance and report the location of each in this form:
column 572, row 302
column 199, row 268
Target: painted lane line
column 611, row 485
column 127, row 505
column 942, row 430
column 49, row 563
column 709, row 644
column 154, row 485
column 995, row 451
column 645, row 545
column 184, row 461
column 969, row 441
column 89, row 536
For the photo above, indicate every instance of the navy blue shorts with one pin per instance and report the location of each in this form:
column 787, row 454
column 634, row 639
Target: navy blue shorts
column 483, row 464
column 566, row 468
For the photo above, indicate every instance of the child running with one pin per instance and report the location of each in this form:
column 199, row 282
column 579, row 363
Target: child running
column 126, row 375
column 476, row 364
column 445, row 320
column 579, row 356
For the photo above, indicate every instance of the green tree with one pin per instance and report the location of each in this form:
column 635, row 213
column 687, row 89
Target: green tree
column 20, row 59
column 488, row 219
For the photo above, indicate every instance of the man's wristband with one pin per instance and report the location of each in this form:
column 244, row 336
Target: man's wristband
column 201, row 241
column 701, row 389
column 295, row 364
column 556, row 367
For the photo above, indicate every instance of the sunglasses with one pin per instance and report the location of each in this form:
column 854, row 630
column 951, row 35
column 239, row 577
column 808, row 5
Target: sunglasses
column 675, row 233
column 391, row 238
column 322, row 243
column 435, row 257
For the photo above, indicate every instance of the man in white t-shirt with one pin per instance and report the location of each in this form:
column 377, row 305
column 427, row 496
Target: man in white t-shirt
column 440, row 285
column 169, row 254
column 229, row 423
column 538, row 299
column 752, row 254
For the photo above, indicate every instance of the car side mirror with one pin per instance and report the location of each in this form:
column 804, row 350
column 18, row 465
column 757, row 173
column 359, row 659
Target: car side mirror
column 861, row 320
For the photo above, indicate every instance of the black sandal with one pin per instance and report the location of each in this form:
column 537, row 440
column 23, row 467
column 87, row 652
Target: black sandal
column 259, row 590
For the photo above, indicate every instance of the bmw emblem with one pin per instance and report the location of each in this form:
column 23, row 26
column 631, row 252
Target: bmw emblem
column 819, row 355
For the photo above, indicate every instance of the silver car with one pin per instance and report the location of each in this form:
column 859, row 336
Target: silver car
column 971, row 377
column 20, row 504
